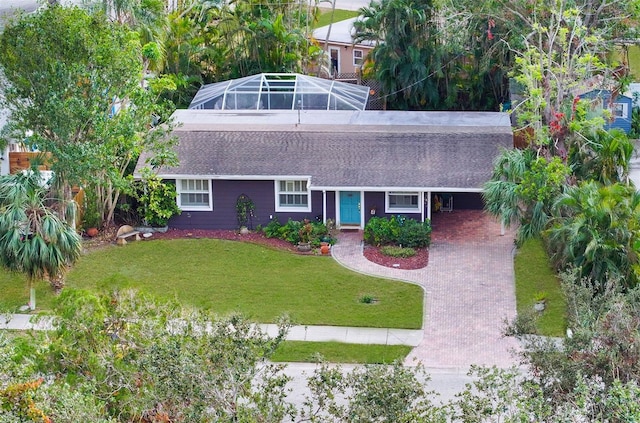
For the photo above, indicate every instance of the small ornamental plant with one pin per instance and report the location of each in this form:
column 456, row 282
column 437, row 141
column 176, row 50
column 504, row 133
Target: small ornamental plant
column 305, row 231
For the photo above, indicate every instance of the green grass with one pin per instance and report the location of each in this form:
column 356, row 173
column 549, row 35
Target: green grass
column 336, row 352
column 340, row 15
column 533, row 274
column 262, row 283
column 634, row 61
column 15, row 292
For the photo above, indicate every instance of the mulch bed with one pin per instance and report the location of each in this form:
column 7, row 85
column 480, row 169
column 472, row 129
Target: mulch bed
column 371, row 253
column 420, row 260
column 230, row 235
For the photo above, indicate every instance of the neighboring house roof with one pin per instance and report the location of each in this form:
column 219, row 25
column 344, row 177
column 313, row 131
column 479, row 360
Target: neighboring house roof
column 367, row 150
column 281, row 91
column 342, row 32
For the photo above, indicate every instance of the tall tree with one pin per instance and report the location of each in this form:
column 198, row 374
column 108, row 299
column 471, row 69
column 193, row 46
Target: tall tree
column 33, row 239
column 407, row 55
column 73, row 79
column 266, row 36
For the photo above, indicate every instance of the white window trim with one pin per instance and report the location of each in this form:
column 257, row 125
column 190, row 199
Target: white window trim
column 395, row 210
column 194, row 208
column 625, row 111
column 290, row 209
column 361, row 57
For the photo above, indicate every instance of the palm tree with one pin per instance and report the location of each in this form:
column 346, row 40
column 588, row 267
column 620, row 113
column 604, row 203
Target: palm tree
column 602, row 156
column 33, row 239
column 407, row 55
column 596, row 231
column 522, row 190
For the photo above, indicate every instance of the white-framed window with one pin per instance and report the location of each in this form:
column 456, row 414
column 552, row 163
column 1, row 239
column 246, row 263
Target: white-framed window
column 404, row 202
column 358, row 57
column 292, row 195
column 194, row 194
column 619, row 110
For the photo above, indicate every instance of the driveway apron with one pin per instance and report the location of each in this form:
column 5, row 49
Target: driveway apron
column 469, row 290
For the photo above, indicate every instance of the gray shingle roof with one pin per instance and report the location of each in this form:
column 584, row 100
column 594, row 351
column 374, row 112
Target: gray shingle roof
column 345, row 155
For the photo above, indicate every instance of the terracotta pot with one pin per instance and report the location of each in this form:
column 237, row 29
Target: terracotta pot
column 92, row 232
column 324, row 249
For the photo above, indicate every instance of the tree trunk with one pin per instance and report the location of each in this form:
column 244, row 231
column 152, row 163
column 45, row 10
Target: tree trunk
column 32, row 296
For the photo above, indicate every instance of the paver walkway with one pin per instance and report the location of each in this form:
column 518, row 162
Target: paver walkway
column 469, row 290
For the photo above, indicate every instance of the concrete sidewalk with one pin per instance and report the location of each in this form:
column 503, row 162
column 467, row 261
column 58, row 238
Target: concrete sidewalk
column 349, row 335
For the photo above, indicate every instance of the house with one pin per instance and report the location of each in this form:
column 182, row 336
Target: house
column 344, row 165
column 621, row 108
column 346, row 58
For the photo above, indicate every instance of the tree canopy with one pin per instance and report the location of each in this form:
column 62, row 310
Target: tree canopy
column 73, row 85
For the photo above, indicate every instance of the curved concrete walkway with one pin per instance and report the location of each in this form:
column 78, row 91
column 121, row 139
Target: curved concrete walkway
column 468, row 285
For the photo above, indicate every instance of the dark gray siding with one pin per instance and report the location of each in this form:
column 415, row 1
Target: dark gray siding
column 225, row 195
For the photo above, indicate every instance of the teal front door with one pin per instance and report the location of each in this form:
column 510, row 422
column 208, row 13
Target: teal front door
column 350, row 208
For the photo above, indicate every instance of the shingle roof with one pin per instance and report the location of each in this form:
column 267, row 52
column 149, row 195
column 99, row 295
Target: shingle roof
column 345, row 155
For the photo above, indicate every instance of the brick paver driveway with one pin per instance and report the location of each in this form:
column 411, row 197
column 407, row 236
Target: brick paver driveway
column 469, row 290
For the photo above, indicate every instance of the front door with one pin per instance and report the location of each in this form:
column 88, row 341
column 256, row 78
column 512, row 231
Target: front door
column 334, row 54
column 350, row 208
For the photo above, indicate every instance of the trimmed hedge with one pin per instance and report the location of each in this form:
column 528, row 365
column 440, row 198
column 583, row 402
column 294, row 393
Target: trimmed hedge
column 398, row 230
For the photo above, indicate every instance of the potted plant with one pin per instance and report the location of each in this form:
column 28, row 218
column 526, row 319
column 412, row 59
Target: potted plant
column 305, row 236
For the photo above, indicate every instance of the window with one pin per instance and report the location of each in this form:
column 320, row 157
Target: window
column 194, row 194
column 292, row 196
column 408, row 202
column 358, row 57
column 619, row 110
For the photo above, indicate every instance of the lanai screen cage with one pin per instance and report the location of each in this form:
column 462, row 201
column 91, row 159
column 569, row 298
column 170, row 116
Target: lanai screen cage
column 281, row 91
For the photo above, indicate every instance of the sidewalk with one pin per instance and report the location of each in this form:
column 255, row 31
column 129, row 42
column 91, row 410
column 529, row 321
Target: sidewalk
column 349, row 335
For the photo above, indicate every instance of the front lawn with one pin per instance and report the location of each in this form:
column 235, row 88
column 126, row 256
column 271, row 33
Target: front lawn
column 339, row 15
column 337, row 352
column 260, row 282
column 534, row 274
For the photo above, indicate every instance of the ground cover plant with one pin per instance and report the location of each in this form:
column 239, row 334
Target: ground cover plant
column 260, row 282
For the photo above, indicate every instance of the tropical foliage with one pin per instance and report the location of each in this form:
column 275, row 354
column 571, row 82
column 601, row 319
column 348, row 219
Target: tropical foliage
column 597, row 231
column 74, row 81
column 33, row 239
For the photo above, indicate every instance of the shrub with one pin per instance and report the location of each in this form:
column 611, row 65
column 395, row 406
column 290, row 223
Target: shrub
column 398, row 230
column 415, row 234
column 290, row 231
column 272, row 230
column 396, row 251
column 293, row 230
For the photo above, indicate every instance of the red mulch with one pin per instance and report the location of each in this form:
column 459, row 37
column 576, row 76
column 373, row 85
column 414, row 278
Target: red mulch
column 420, row 260
column 253, row 237
column 373, row 254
